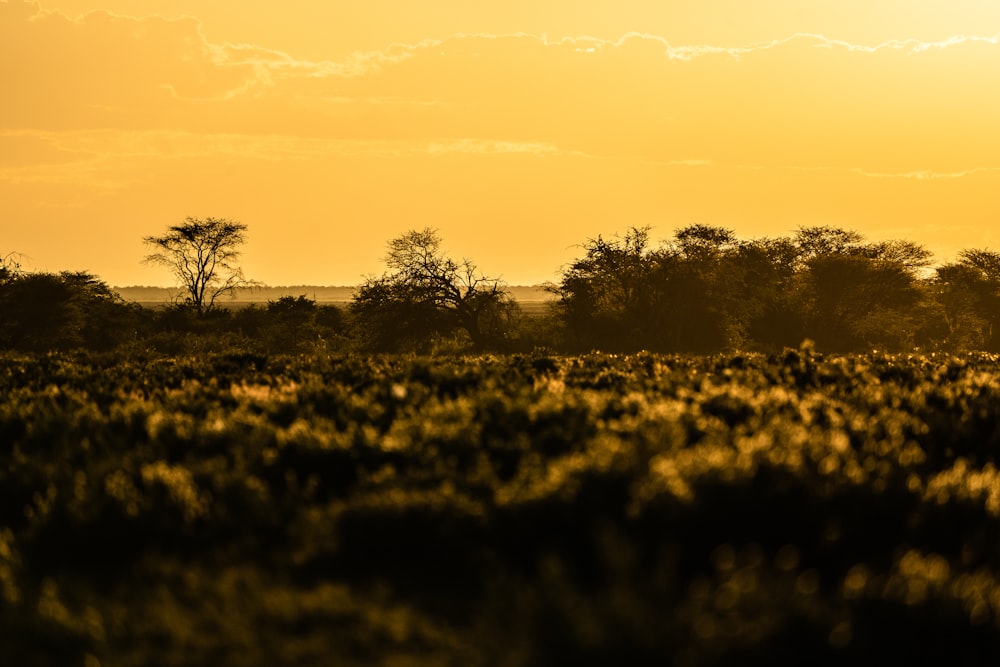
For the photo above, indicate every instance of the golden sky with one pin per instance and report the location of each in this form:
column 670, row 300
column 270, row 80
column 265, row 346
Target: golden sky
column 517, row 129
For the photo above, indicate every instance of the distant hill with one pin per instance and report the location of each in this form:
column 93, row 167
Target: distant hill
column 152, row 296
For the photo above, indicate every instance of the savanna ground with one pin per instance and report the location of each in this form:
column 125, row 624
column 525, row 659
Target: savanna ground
column 500, row 510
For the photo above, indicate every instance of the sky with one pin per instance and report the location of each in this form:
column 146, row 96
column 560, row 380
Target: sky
column 518, row 129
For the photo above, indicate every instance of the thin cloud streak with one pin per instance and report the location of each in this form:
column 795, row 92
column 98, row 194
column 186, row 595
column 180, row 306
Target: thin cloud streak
column 928, row 175
column 87, row 145
column 130, row 117
column 269, row 65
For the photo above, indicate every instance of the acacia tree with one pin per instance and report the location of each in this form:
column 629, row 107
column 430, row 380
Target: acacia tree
column 427, row 293
column 701, row 276
column 768, row 271
column 604, row 295
column 625, row 295
column 9, row 267
column 968, row 293
column 202, row 254
column 855, row 294
column 49, row 311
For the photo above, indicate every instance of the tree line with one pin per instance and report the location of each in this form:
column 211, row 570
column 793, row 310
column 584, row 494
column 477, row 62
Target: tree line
column 702, row 290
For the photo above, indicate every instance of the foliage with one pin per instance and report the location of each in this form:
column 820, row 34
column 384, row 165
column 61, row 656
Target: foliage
column 523, row 510
column 970, row 296
column 47, row 311
column 701, row 291
column 202, row 255
column 603, row 296
column 695, row 293
column 427, row 294
column 291, row 325
column 10, row 268
column 706, row 290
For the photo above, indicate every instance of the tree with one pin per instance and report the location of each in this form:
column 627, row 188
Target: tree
column 959, row 291
column 703, row 242
column 9, row 268
column 688, row 295
column 820, row 241
column 202, row 253
column 426, row 293
column 703, row 274
column 969, row 293
column 769, row 272
column 624, row 295
column 603, row 296
column 49, row 311
column 856, row 295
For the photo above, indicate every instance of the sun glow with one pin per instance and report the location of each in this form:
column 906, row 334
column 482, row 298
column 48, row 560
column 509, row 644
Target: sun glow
column 517, row 130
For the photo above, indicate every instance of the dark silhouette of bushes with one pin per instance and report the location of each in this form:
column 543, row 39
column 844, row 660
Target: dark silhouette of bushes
column 289, row 325
column 704, row 290
column 426, row 297
column 47, row 311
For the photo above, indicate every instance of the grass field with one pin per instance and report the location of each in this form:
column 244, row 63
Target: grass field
column 500, row 510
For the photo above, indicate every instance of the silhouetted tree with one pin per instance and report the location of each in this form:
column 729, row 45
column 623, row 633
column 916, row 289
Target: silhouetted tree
column 698, row 269
column 987, row 262
column 857, row 295
column 703, row 242
column 202, row 254
column 688, row 295
column 47, row 311
column 604, row 297
column 968, row 292
column 770, row 277
column 824, row 241
column 705, row 290
column 298, row 324
column 958, row 291
column 9, row 267
column 691, row 294
column 425, row 293
column 912, row 257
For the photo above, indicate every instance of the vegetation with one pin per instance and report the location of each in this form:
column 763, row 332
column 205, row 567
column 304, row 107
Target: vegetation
column 195, row 484
column 9, row 267
column 426, row 295
column 704, row 290
column 46, row 311
column 201, row 253
column 521, row 510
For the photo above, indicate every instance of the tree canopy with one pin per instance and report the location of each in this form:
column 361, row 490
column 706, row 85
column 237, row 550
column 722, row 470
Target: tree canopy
column 426, row 294
column 9, row 267
column 704, row 289
column 48, row 311
column 202, row 255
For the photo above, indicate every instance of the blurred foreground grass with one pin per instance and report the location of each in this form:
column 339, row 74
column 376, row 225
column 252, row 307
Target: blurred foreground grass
column 519, row 510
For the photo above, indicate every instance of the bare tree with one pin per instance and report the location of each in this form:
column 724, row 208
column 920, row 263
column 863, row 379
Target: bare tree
column 202, row 254
column 10, row 268
column 427, row 293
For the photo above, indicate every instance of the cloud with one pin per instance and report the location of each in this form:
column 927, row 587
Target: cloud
column 480, row 147
column 46, row 147
column 62, row 72
column 929, row 175
column 86, row 166
column 898, row 107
